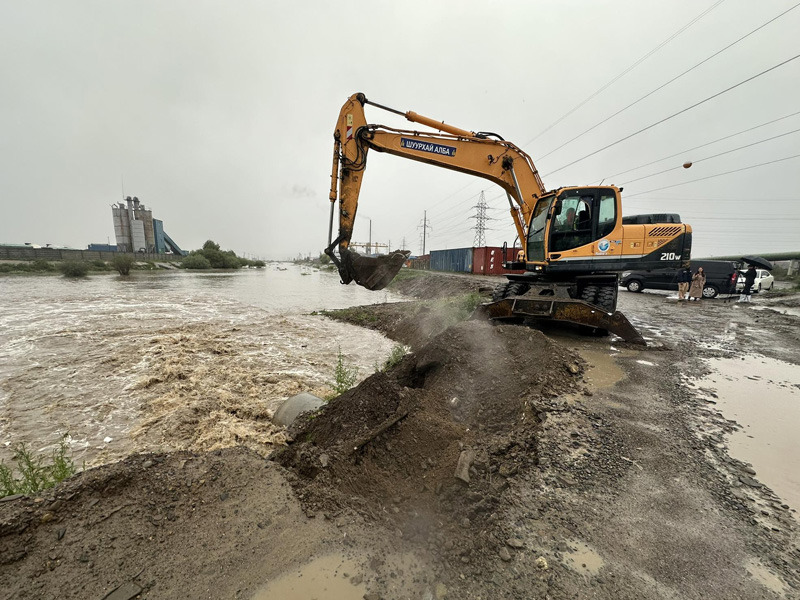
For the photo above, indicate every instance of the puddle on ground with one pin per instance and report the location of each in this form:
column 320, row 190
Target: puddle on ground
column 766, row 577
column 604, row 370
column 784, row 310
column 762, row 395
column 331, row 577
column 582, row 559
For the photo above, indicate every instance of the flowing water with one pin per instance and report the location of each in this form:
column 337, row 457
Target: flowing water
column 170, row 360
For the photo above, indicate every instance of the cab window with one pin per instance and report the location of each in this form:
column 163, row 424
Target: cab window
column 536, row 231
column 582, row 216
column 607, row 215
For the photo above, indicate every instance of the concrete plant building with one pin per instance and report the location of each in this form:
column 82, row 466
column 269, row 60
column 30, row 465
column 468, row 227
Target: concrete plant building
column 136, row 230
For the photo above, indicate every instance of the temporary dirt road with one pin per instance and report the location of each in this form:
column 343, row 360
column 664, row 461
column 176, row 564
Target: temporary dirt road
column 492, row 462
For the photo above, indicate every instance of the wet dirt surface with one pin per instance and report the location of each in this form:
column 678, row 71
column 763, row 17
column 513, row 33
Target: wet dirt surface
column 492, row 462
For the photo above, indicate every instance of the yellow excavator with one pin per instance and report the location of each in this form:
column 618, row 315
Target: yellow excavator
column 575, row 241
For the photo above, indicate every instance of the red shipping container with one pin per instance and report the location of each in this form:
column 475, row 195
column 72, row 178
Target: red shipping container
column 488, row 260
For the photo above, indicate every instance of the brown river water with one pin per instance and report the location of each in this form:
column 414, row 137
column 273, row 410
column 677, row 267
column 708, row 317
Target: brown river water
column 170, row 360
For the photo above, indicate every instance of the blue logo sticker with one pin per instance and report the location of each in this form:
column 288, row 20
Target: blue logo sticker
column 603, row 245
column 427, row 147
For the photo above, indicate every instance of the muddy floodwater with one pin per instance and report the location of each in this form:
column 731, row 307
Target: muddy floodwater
column 170, row 360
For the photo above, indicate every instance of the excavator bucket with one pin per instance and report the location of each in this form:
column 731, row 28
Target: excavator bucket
column 561, row 309
column 371, row 272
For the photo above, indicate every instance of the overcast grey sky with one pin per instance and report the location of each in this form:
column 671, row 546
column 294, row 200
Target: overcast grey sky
column 219, row 115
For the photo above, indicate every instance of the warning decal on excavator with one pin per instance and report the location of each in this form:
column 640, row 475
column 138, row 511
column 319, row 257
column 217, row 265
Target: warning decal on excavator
column 427, row 147
column 349, row 127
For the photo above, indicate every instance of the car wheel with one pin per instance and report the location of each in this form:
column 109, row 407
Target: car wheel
column 771, row 285
column 634, row 285
column 710, row 291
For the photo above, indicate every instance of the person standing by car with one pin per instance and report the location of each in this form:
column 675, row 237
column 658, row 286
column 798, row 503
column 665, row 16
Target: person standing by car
column 749, row 280
column 684, row 279
column 698, row 283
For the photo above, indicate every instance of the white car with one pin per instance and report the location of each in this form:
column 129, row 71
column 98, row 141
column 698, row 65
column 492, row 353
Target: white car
column 764, row 281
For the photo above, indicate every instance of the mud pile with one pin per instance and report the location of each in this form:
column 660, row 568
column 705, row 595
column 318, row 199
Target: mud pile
column 466, row 403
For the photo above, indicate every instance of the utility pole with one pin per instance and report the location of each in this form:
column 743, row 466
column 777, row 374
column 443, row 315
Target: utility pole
column 403, row 247
column 369, row 244
column 425, row 228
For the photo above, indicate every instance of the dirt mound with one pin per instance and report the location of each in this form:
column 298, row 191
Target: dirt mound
column 465, row 403
column 425, row 285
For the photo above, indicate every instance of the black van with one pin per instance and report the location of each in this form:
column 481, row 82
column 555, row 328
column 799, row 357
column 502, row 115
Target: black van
column 721, row 278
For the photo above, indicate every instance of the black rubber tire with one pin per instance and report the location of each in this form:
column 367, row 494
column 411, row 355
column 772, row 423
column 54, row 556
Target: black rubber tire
column 759, row 287
column 500, row 291
column 635, row 285
column 589, row 294
column 607, row 298
column 710, row 291
column 517, row 289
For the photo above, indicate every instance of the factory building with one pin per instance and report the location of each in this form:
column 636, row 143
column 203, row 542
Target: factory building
column 136, row 230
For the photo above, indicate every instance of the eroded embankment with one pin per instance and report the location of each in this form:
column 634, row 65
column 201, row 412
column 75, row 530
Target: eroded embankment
column 430, row 446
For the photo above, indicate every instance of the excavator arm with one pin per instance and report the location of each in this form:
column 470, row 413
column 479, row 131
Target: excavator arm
column 480, row 154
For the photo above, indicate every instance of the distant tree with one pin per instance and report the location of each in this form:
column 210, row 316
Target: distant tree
column 122, row 263
column 195, row 260
column 211, row 245
column 259, row 264
column 324, row 259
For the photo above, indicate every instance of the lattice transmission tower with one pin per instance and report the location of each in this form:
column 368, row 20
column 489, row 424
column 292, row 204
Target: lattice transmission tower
column 480, row 222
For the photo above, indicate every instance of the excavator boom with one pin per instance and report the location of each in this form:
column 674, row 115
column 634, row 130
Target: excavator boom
column 574, row 240
column 478, row 154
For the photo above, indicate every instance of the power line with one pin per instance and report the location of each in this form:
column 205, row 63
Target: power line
column 626, row 71
column 710, row 157
column 683, row 152
column 750, row 199
column 688, row 108
column 713, row 176
column 662, row 86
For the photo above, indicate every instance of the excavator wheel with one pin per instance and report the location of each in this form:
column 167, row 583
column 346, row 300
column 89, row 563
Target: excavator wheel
column 509, row 289
column 607, row 298
column 518, row 289
column 597, row 295
column 500, row 291
column 589, row 294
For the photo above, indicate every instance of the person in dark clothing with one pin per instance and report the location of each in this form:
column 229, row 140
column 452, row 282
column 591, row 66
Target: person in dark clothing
column 749, row 280
column 684, row 279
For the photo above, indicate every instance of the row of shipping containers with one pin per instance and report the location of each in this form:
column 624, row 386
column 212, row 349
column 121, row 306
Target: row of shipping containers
column 485, row 260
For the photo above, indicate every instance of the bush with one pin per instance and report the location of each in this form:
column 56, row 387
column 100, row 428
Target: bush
column 195, row 261
column 324, row 259
column 398, row 352
column 344, row 375
column 122, row 263
column 99, row 265
column 258, row 264
column 74, row 268
column 35, row 475
column 41, row 264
